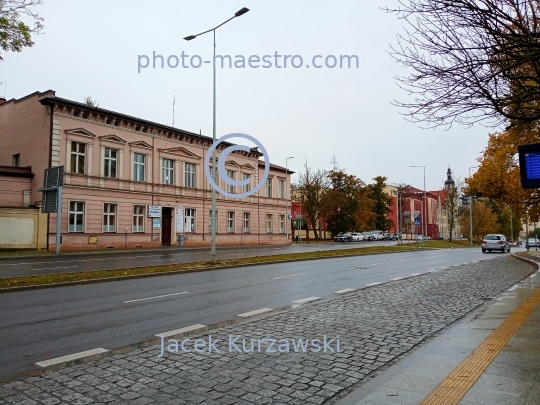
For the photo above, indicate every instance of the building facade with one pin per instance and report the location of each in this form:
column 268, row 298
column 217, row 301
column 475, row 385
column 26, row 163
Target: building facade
column 132, row 183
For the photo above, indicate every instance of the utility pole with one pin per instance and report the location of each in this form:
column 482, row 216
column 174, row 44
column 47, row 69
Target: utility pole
column 240, row 12
column 286, row 192
column 471, row 202
column 334, row 162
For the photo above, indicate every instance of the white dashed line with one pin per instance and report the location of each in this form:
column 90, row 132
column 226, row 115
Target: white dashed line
column 396, row 278
column 344, row 291
column 182, row 331
column 304, row 300
column 157, row 296
column 55, row 268
column 70, row 357
column 415, row 274
column 291, row 275
column 256, row 312
column 375, row 283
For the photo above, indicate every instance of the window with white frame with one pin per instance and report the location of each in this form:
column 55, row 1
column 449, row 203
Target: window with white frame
column 109, row 217
column 246, row 187
column 110, row 162
column 189, row 220
column 281, row 188
column 210, row 221
column 216, row 179
column 189, row 175
column 246, row 222
column 282, row 224
column 268, row 223
column 138, row 218
column 269, row 187
column 76, row 216
column 78, row 155
column 168, row 172
column 230, row 221
column 139, row 162
column 230, row 187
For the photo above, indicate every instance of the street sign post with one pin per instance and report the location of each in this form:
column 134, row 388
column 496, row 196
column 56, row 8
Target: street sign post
column 53, row 185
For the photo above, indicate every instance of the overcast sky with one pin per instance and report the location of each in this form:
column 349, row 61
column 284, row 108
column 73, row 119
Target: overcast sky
column 92, row 49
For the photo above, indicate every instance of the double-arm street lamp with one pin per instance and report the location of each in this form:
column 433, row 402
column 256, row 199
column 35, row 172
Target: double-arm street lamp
column 424, row 208
column 213, row 220
column 470, row 208
column 286, row 194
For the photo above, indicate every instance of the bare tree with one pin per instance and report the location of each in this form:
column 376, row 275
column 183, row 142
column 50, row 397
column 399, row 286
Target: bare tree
column 470, row 61
column 312, row 185
column 90, row 103
column 14, row 33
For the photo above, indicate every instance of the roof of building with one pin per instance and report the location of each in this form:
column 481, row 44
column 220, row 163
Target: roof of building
column 54, row 99
column 276, row 167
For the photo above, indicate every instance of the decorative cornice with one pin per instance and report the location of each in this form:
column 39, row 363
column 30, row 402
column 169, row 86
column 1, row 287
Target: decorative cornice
column 112, row 138
column 180, row 151
column 140, row 144
column 80, row 132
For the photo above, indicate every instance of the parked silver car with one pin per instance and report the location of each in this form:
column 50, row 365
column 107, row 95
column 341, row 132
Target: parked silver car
column 494, row 241
column 357, row 236
column 532, row 243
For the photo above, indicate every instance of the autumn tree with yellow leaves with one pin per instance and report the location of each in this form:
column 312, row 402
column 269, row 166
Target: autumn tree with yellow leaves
column 498, row 175
column 484, row 221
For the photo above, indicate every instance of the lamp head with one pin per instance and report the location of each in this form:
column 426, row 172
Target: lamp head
column 242, row 11
column 190, row 37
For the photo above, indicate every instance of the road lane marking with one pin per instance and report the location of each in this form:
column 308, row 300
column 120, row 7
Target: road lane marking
column 256, row 312
column 54, row 268
column 290, row 275
column 182, row 331
column 454, row 387
column 415, row 274
column 304, row 300
column 375, row 283
column 71, row 357
column 396, row 278
column 344, row 291
column 157, row 296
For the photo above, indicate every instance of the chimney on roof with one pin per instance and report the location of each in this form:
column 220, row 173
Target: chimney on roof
column 2, row 100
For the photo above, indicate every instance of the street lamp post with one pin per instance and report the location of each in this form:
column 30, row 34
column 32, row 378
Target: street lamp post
column 213, row 221
column 400, row 216
column 287, row 190
column 424, row 225
column 470, row 208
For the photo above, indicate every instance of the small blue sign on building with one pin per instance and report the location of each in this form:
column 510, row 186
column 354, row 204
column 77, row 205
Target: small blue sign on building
column 417, row 221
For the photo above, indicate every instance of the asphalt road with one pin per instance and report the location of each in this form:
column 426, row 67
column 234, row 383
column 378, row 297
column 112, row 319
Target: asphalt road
column 41, row 324
column 30, row 266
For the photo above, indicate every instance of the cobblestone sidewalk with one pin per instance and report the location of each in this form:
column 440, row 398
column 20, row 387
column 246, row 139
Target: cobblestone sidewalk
column 375, row 325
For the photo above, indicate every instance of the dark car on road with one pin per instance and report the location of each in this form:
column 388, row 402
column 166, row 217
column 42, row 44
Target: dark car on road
column 343, row 237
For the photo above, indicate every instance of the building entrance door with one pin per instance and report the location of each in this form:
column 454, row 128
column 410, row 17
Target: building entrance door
column 166, row 220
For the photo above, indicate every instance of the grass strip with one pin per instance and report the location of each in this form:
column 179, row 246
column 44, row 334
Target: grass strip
column 441, row 244
column 205, row 265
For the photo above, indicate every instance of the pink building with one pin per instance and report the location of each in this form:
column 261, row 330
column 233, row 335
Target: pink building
column 135, row 183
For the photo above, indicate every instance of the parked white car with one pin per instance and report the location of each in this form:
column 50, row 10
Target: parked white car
column 357, row 237
column 377, row 235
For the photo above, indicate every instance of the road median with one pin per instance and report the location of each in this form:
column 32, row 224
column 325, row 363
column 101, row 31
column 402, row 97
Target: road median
column 66, row 279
